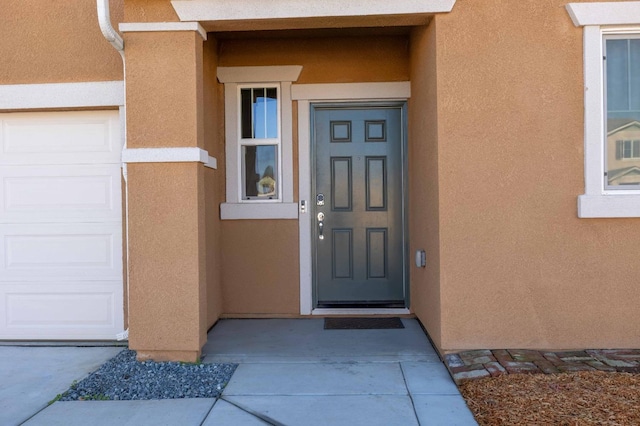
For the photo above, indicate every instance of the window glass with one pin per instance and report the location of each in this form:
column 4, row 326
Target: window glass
column 259, row 113
column 623, row 112
column 260, row 171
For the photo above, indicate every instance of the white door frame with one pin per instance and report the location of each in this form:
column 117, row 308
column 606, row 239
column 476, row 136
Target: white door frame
column 306, row 94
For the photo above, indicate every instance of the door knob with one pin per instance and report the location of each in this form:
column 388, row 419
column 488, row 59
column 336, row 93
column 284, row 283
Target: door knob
column 320, row 226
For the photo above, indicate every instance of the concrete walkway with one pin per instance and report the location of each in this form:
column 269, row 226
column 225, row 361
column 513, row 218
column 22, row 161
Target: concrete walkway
column 293, row 372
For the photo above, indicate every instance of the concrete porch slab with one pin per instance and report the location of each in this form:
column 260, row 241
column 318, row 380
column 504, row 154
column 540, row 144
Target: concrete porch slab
column 428, row 378
column 305, row 340
column 335, row 410
column 443, row 410
column 225, row 414
column 185, row 412
column 317, row 379
column 30, row 377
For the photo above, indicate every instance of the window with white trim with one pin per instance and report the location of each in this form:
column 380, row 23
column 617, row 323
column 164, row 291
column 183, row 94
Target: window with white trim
column 259, row 142
column 622, row 111
column 611, row 34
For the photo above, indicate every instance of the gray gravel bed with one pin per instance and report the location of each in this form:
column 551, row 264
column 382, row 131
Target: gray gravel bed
column 124, row 378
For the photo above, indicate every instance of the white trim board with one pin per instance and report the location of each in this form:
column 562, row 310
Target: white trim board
column 352, row 91
column 236, row 211
column 169, row 155
column 306, row 94
column 233, row 10
column 132, row 27
column 601, row 13
column 95, row 94
column 266, row 74
column 365, row 311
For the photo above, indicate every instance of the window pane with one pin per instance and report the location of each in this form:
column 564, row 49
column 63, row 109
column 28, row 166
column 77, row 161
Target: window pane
column 272, row 113
column 246, row 118
column 634, row 74
column 623, row 113
column 260, row 172
column 617, row 75
column 259, row 111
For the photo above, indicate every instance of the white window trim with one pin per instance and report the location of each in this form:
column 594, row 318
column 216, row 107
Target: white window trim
column 233, row 78
column 598, row 202
column 306, row 94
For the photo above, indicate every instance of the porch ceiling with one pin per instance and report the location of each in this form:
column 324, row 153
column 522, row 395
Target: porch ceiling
column 233, row 15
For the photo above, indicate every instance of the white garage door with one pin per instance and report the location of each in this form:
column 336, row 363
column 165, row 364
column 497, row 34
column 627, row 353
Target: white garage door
column 60, row 225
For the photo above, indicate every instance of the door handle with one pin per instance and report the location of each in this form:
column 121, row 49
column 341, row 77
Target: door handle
column 320, row 226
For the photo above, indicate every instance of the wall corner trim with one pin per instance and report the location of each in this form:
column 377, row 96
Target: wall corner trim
column 94, row 94
column 265, row 74
column 169, row 155
column 604, row 13
column 132, row 27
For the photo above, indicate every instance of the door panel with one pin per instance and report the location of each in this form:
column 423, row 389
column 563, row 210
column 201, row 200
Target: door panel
column 358, row 183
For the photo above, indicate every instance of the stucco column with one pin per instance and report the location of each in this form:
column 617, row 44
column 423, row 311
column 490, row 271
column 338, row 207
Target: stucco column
column 167, row 288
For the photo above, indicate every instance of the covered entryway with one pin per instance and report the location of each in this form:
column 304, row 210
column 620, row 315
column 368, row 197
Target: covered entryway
column 61, row 262
column 359, row 238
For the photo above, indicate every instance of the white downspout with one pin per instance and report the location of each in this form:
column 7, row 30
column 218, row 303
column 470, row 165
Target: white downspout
column 104, row 20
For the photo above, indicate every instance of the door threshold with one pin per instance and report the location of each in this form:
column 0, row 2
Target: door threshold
column 362, row 311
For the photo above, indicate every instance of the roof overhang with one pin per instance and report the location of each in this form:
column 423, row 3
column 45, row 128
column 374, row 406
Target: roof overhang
column 236, row 15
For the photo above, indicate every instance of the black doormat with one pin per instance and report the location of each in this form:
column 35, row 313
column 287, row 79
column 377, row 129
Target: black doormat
column 348, row 323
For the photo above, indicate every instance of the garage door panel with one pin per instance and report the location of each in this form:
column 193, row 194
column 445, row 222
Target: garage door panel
column 60, row 194
column 76, row 311
column 61, row 251
column 61, row 273
column 60, row 138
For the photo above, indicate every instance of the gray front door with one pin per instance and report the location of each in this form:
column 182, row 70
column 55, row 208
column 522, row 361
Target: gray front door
column 358, row 210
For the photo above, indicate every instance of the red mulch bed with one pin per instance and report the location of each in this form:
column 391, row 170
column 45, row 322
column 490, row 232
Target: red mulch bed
column 581, row 398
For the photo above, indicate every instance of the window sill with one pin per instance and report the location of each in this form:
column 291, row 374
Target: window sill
column 236, row 211
column 608, row 206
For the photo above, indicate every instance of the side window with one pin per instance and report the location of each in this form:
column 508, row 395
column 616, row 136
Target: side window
column 258, row 112
column 260, row 143
column 622, row 113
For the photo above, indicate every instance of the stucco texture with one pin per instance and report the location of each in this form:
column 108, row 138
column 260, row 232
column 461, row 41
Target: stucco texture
column 56, row 42
column 519, row 269
column 214, row 180
column 167, row 260
column 424, row 215
column 325, row 59
column 164, row 89
column 260, row 267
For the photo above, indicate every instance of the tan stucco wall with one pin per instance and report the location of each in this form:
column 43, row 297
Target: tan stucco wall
column 167, row 210
column 325, row 59
column 424, row 215
column 214, row 180
column 518, row 268
column 166, row 259
column 162, row 90
column 56, row 42
column 149, row 11
column 260, row 268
